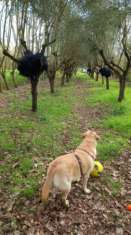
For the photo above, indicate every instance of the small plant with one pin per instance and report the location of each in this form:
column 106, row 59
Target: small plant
column 26, row 165
column 113, row 185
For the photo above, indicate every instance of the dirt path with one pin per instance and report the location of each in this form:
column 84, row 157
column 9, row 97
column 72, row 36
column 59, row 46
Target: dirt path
column 100, row 213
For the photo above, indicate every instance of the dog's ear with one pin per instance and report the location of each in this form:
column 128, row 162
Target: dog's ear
column 97, row 136
column 85, row 133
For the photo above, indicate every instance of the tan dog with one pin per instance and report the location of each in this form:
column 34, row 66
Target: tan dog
column 70, row 167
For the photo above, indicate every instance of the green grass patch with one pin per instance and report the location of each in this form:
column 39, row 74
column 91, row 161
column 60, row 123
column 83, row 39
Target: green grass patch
column 28, row 141
column 118, row 117
column 42, row 135
column 19, row 79
column 111, row 145
column 115, row 117
column 113, row 185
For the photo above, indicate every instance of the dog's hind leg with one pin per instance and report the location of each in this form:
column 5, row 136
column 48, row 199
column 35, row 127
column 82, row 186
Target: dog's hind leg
column 85, row 180
column 64, row 197
column 63, row 184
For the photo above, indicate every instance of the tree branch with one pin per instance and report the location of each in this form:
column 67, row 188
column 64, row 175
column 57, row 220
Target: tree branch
column 23, row 43
column 46, row 45
column 6, row 53
column 117, row 66
column 108, row 63
column 124, row 43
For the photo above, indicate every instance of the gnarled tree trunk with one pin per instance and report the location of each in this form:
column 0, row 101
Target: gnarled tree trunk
column 97, row 76
column 107, row 83
column 67, row 77
column 0, row 84
column 52, row 71
column 34, row 83
column 5, row 82
column 63, row 79
column 13, row 77
column 102, row 80
column 122, row 82
column 52, row 83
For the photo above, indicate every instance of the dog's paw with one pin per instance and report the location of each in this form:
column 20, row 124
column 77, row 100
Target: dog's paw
column 87, row 191
column 66, row 203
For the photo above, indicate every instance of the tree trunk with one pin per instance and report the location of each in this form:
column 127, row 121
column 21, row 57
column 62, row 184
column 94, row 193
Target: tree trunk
column 97, row 76
column 92, row 74
column 63, row 79
column 47, row 37
column 13, row 78
column 67, row 77
column 51, row 81
column 4, row 79
column 34, row 83
column 102, row 80
column 0, row 85
column 122, row 82
column 107, row 83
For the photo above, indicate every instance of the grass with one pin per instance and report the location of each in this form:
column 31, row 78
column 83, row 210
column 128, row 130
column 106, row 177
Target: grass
column 116, row 117
column 119, row 117
column 28, row 141
column 19, row 80
column 113, row 185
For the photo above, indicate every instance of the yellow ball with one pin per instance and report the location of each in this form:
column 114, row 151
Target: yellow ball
column 98, row 168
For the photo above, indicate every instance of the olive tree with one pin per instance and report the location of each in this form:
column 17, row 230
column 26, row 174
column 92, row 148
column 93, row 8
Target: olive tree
column 108, row 27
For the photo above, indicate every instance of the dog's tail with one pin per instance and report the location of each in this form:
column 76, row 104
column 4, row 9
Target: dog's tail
column 46, row 188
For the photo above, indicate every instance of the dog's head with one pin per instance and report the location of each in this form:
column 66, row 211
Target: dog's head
column 91, row 134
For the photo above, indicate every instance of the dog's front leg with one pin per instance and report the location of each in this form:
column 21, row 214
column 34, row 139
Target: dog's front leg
column 64, row 198
column 85, row 180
